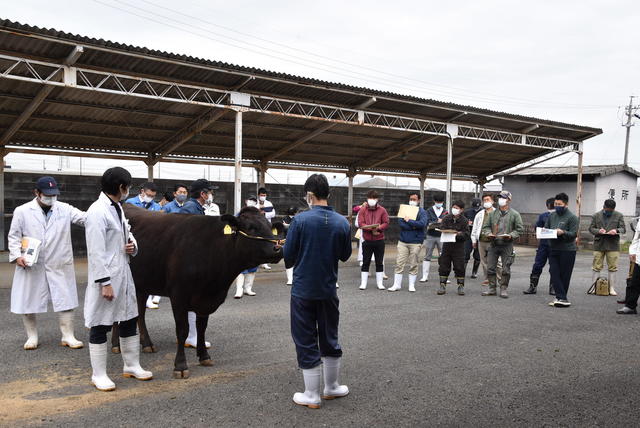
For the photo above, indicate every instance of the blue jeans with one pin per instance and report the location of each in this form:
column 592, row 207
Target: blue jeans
column 314, row 328
column 561, row 267
column 542, row 255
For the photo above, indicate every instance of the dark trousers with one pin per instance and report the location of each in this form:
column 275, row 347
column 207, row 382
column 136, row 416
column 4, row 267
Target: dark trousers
column 314, row 328
column 368, row 249
column 542, row 255
column 468, row 250
column 452, row 254
column 633, row 289
column 98, row 333
column 561, row 267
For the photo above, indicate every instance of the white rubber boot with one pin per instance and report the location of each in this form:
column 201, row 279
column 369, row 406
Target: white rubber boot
column 156, row 299
column 380, row 280
column 30, row 326
column 248, row 283
column 290, row 276
column 266, row 267
column 331, row 369
column 397, row 283
column 612, row 282
column 192, row 338
column 239, row 286
column 98, row 355
column 412, row 282
column 364, row 276
column 311, row 395
column 425, row 270
column 130, row 347
column 150, row 304
column 66, row 328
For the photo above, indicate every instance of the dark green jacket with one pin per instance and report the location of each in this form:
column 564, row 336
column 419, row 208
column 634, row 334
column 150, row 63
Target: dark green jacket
column 607, row 242
column 567, row 222
column 514, row 226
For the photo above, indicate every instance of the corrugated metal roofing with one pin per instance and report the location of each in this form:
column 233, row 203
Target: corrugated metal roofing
column 77, row 119
column 599, row 170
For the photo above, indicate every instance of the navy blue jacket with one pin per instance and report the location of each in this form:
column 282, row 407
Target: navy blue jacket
column 542, row 219
column 316, row 240
column 172, row 207
column 412, row 231
column 433, row 218
column 192, row 206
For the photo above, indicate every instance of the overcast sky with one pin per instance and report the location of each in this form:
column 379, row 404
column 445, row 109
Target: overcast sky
column 571, row 61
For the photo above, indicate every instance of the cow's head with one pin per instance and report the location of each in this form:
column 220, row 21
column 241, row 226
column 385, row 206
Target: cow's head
column 265, row 239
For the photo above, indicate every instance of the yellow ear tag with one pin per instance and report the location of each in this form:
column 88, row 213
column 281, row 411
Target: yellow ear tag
column 228, row 230
column 274, row 231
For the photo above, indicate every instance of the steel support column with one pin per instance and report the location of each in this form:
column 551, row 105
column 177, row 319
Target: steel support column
column 422, row 179
column 237, row 184
column 3, row 246
column 150, row 171
column 350, row 175
column 452, row 132
column 579, row 193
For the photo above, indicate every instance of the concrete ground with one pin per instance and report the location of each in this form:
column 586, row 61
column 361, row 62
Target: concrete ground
column 411, row 359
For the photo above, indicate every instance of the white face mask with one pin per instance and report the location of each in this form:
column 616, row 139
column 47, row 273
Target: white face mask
column 210, row 199
column 455, row 211
column 262, row 198
column 413, row 203
column 372, row 202
column 438, row 205
column 48, row 200
column 125, row 195
column 251, row 203
column 487, row 205
column 146, row 199
column 502, row 202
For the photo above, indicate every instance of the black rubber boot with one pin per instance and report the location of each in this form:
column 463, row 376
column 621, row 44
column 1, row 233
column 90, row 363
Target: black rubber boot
column 474, row 271
column 533, row 285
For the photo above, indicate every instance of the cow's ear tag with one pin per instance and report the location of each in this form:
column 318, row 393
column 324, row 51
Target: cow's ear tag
column 228, row 230
column 274, row 231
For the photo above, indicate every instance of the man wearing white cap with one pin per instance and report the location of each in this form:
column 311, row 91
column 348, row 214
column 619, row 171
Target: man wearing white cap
column 40, row 246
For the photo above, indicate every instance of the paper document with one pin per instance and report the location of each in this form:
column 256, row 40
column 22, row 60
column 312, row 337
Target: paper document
column 448, row 236
column 408, row 211
column 358, row 234
column 30, row 250
column 542, row 233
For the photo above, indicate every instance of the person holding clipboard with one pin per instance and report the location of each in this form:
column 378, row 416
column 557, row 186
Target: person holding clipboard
column 373, row 219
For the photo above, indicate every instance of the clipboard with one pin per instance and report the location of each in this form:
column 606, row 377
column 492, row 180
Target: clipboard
column 408, row 211
column 371, row 226
column 543, row 233
column 30, row 249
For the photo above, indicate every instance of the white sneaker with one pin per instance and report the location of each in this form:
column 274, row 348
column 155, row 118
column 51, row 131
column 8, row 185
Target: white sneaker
column 311, row 395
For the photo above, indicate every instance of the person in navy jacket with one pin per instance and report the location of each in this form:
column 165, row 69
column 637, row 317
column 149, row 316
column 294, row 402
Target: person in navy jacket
column 412, row 234
column 316, row 240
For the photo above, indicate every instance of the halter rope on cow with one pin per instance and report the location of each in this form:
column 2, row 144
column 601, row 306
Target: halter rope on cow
column 278, row 242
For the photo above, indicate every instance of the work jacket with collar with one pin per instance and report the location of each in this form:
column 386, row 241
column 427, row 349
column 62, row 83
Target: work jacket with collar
column 600, row 221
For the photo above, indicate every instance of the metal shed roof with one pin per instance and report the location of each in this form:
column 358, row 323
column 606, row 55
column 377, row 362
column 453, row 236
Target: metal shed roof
column 599, row 170
column 112, row 98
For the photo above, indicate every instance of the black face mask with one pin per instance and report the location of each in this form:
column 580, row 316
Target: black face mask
column 607, row 213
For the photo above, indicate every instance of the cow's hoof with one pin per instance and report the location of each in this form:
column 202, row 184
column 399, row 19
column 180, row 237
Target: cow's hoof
column 207, row 363
column 115, row 349
column 149, row 349
column 180, row 374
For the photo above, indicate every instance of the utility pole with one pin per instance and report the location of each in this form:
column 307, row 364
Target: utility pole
column 629, row 111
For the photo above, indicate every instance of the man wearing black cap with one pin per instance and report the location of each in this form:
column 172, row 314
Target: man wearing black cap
column 44, row 268
column 200, row 195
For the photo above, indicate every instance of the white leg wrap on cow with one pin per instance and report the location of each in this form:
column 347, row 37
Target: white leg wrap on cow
column 98, row 355
column 379, row 280
column 66, row 328
column 192, row 338
column 130, row 348
column 30, row 326
column 239, row 286
column 332, row 389
column 311, row 395
column 290, row 276
column 364, row 276
column 248, row 284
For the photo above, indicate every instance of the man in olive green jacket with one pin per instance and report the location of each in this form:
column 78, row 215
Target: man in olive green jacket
column 606, row 227
column 503, row 227
column 563, row 249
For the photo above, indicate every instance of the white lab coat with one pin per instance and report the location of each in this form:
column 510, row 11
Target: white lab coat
column 268, row 215
column 212, row 209
column 106, row 238
column 52, row 277
column 634, row 248
column 476, row 230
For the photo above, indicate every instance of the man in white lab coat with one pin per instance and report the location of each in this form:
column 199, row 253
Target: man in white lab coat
column 111, row 294
column 266, row 208
column 52, row 276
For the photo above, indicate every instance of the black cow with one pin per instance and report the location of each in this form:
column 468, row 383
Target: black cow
column 193, row 260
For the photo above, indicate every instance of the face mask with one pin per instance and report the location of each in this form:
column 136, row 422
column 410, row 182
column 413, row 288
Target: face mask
column 607, row 213
column 48, row 200
column 210, row 199
column 262, row 198
column 372, row 202
column 125, row 195
column 413, row 203
column 551, row 210
column 309, row 199
column 251, row 203
column 146, row 199
column 438, row 205
column 455, row 211
column 181, row 198
column 561, row 210
column 502, row 202
column 487, row 205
